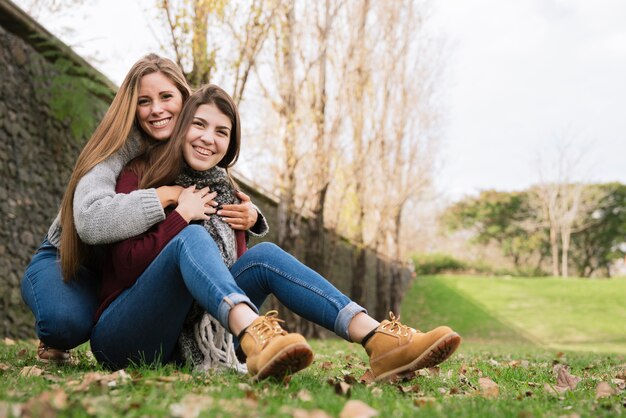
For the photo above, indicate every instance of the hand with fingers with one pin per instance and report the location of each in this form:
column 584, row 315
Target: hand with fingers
column 196, row 205
column 241, row 216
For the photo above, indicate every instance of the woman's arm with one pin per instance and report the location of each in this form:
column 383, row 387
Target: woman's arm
column 245, row 216
column 101, row 216
column 131, row 256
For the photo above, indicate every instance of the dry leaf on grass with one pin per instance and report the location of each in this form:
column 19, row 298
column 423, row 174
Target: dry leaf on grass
column 326, row 365
column 424, row 401
column 8, row 341
column 4, row 367
column 604, row 390
column 377, row 392
column 303, row 413
column 178, row 377
column 191, row 406
column 30, row 371
column 357, row 409
column 564, row 381
column 305, row 396
column 342, row 388
column 620, row 383
column 110, row 380
column 46, row 404
column 488, row 388
column 563, row 378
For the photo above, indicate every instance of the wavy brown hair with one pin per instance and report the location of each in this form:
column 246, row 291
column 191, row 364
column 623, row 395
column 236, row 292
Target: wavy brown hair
column 164, row 162
column 107, row 139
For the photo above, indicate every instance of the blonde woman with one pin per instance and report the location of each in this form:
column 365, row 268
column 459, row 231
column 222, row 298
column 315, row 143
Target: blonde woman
column 60, row 285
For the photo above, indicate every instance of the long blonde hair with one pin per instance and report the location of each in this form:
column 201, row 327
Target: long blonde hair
column 108, row 138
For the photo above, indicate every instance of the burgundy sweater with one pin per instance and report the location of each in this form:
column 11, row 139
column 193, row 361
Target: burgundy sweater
column 126, row 260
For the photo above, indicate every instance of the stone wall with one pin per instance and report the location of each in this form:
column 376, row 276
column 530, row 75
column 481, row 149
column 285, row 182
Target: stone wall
column 38, row 151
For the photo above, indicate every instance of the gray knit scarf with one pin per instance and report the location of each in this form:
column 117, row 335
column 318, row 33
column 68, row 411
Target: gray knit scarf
column 203, row 342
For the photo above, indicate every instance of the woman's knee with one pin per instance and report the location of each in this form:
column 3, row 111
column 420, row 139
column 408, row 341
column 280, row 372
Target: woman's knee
column 263, row 250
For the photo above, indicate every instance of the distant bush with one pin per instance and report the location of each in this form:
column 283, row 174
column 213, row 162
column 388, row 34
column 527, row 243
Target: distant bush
column 437, row 263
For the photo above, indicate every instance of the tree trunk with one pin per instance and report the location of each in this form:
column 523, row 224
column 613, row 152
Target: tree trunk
column 554, row 245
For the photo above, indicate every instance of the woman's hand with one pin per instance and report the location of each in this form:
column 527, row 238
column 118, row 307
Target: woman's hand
column 242, row 216
column 168, row 195
column 195, row 205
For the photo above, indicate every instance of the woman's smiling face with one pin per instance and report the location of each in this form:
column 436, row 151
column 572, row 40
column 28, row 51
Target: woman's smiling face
column 159, row 104
column 207, row 138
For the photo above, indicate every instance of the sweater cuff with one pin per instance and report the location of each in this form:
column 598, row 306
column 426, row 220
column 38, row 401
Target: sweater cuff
column 261, row 227
column 152, row 207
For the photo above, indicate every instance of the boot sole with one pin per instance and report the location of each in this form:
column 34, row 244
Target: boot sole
column 435, row 354
column 289, row 360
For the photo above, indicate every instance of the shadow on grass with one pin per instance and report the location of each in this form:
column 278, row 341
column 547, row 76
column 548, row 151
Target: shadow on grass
column 429, row 302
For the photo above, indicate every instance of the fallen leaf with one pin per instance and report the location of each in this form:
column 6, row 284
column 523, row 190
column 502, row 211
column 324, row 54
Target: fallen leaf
column 377, row 392
column 488, row 388
column 342, row 388
column 22, row 353
column 554, row 390
column 620, row 383
column 463, row 369
column 326, row 365
column 357, row 409
column 303, row 413
column 8, row 341
column 424, row 401
column 349, row 379
column 190, row 406
column 455, row 391
column 493, row 362
column 434, row 371
column 604, row 390
column 30, row 371
column 46, row 404
column 178, row 377
column 409, row 389
column 442, row 391
column 4, row 367
column 244, row 387
column 564, row 378
column 305, row 396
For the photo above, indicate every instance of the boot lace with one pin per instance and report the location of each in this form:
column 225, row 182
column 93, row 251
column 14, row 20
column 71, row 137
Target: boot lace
column 269, row 327
column 396, row 327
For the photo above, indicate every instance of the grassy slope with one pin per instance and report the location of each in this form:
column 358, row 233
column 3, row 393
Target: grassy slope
column 565, row 314
column 489, row 313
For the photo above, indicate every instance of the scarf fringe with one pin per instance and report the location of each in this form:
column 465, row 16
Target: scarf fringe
column 216, row 345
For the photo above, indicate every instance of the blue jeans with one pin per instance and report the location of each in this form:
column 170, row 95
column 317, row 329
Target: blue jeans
column 63, row 311
column 144, row 322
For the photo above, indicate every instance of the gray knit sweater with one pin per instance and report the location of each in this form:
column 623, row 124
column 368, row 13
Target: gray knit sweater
column 102, row 216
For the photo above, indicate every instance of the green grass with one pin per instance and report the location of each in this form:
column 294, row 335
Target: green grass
column 498, row 344
column 562, row 314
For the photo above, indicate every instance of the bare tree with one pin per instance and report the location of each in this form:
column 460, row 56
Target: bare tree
column 561, row 201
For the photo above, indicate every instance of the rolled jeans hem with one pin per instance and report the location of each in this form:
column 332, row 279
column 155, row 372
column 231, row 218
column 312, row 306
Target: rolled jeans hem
column 228, row 303
column 344, row 317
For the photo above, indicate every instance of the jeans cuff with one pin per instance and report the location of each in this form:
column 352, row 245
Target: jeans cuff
column 344, row 317
column 228, row 303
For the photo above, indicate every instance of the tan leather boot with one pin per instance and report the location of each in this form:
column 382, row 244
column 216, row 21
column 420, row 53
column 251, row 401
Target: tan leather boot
column 271, row 351
column 396, row 350
column 47, row 354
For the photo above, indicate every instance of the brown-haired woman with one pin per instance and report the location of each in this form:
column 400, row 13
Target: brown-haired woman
column 154, row 278
column 64, row 295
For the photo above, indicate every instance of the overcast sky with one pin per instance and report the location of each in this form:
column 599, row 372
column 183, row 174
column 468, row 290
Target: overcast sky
column 523, row 78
